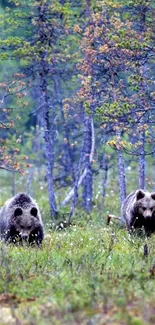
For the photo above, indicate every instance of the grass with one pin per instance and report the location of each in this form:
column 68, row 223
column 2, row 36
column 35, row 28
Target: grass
column 88, row 273
column 81, row 273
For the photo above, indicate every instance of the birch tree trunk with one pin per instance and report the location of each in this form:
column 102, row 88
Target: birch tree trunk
column 88, row 180
column 79, row 179
column 74, row 192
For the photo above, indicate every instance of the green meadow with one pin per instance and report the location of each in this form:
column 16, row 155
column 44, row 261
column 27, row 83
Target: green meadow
column 86, row 273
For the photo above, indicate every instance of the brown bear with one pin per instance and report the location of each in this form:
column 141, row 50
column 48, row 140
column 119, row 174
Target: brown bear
column 138, row 211
column 20, row 219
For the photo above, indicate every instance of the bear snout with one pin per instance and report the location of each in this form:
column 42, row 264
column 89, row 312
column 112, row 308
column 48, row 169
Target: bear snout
column 148, row 216
column 24, row 235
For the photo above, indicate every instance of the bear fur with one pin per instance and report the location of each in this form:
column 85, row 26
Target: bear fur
column 20, row 219
column 138, row 211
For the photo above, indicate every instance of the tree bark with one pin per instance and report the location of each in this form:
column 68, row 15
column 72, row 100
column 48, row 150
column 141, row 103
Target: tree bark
column 48, row 122
column 88, row 180
column 13, row 187
column 141, row 159
column 49, row 148
column 143, row 73
column 79, row 179
column 104, row 176
column 121, row 169
column 68, row 156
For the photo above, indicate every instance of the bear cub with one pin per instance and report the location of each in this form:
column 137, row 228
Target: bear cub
column 20, row 219
column 138, row 211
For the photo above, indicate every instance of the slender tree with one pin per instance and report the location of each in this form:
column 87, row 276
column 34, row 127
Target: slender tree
column 43, row 49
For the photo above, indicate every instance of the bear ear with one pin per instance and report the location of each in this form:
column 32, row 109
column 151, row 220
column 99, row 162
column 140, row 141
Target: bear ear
column 153, row 195
column 34, row 212
column 140, row 195
column 18, row 212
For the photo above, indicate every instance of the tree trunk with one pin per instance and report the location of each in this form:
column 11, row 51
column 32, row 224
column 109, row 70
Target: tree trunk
column 104, row 176
column 68, row 156
column 121, row 169
column 79, row 179
column 13, row 187
column 48, row 121
column 49, row 151
column 88, row 180
column 141, row 159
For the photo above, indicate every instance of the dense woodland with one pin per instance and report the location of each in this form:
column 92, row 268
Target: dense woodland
column 77, row 95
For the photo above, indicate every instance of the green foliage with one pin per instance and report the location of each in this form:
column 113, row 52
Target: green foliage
column 80, row 269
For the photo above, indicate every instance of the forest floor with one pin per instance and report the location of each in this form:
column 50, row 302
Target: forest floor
column 85, row 274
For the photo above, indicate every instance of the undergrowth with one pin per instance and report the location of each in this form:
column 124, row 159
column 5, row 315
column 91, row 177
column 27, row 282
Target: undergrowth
column 86, row 273
column 81, row 273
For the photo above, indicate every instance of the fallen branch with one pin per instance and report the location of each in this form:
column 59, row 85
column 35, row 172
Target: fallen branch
column 111, row 216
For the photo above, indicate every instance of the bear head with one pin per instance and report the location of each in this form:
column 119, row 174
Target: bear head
column 145, row 203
